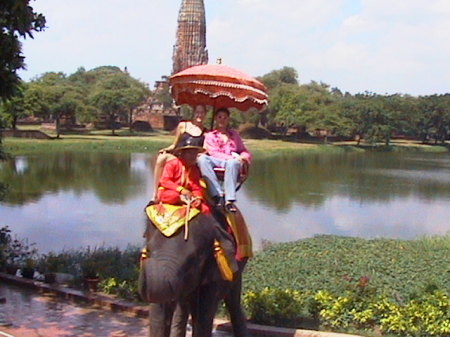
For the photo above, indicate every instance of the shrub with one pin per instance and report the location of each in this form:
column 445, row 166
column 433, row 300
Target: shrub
column 427, row 315
column 15, row 252
column 102, row 262
column 397, row 287
column 282, row 307
column 126, row 288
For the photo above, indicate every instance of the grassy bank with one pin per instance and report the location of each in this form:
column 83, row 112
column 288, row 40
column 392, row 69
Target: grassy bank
column 380, row 287
column 397, row 268
column 151, row 142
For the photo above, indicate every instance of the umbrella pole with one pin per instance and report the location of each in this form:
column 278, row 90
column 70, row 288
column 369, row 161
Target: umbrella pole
column 213, row 116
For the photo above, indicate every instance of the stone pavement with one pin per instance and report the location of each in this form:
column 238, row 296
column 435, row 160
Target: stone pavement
column 35, row 309
column 27, row 313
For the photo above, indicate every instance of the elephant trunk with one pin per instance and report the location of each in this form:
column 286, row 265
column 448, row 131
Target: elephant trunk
column 158, row 282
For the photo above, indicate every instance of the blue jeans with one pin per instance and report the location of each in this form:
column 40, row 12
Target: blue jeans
column 232, row 169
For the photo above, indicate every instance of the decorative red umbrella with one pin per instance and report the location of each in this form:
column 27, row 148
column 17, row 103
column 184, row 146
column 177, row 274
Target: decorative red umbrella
column 218, row 86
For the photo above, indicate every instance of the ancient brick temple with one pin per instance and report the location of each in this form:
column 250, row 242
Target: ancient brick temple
column 189, row 50
column 190, row 46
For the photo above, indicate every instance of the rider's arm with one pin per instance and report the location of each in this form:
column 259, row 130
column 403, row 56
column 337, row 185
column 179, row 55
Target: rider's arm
column 169, row 178
column 181, row 127
column 212, row 146
column 195, row 185
column 241, row 148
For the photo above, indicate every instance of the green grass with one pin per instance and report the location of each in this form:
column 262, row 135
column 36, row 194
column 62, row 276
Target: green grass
column 125, row 141
column 100, row 143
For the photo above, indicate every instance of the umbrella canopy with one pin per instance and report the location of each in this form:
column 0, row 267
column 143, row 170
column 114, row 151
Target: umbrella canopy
column 218, row 86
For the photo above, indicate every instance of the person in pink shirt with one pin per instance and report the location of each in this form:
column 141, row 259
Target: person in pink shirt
column 224, row 149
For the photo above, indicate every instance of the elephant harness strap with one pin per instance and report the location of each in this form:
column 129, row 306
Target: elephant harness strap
column 244, row 247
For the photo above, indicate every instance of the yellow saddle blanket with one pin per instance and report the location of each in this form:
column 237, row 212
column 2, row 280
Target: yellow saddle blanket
column 169, row 218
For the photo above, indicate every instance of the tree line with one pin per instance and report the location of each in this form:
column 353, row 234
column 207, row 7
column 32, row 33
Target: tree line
column 104, row 94
column 318, row 108
column 108, row 93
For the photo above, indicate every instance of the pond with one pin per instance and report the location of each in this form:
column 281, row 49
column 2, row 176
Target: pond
column 71, row 200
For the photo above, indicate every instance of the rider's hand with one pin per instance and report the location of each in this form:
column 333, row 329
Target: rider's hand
column 186, row 194
column 196, row 203
column 164, row 150
column 244, row 170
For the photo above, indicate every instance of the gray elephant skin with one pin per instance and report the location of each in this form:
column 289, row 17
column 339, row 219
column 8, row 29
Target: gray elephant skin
column 185, row 271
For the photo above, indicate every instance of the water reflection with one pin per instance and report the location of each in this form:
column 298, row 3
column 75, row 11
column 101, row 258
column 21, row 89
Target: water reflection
column 77, row 199
column 108, row 175
column 280, row 183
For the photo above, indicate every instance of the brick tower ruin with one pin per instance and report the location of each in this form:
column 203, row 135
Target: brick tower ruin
column 189, row 50
column 190, row 46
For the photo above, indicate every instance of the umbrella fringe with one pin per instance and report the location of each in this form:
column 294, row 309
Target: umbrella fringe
column 220, row 84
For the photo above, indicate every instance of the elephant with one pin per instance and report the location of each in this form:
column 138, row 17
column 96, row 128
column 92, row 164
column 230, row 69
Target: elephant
column 186, row 272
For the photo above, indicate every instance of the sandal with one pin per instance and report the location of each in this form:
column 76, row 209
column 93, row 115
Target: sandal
column 230, row 207
column 218, row 201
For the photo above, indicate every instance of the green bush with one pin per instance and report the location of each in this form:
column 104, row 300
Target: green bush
column 126, row 288
column 283, row 307
column 427, row 315
column 104, row 262
column 398, row 287
column 14, row 251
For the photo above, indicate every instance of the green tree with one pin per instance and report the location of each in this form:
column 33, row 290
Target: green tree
column 116, row 96
column 319, row 113
column 370, row 118
column 53, row 97
column 286, row 75
column 286, row 104
column 17, row 20
column 13, row 108
column 280, row 84
column 435, row 118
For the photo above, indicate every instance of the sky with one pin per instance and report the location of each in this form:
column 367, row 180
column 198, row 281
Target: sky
column 380, row 46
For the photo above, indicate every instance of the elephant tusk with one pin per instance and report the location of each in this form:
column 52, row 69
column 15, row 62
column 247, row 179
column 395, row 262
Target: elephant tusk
column 144, row 255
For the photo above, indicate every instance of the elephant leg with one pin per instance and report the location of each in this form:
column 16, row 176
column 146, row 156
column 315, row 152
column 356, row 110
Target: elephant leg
column 179, row 320
column 234, row 306
column 203, row 311
column 160, row 316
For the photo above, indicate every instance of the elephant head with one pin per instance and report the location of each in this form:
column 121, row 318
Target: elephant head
column 175, row 267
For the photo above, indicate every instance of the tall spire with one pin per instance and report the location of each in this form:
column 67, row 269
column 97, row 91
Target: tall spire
column 190, row 46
